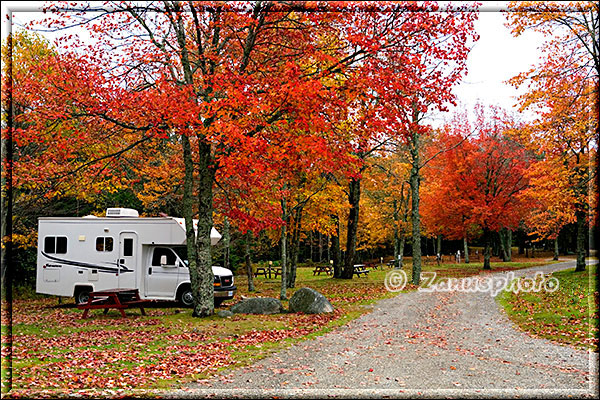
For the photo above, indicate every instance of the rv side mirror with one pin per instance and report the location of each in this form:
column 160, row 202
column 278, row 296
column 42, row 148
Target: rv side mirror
column 163, row 260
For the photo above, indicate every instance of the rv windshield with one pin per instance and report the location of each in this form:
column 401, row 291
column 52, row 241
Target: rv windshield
column 181, row 253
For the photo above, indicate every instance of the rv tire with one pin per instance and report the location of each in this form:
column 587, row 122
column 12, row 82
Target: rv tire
column 82, row 294
column 185, row 296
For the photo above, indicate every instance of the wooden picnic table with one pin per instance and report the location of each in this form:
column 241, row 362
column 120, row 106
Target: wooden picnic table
column 360, row 269
column 119, row 299
column 267, row 271
column 323, row 268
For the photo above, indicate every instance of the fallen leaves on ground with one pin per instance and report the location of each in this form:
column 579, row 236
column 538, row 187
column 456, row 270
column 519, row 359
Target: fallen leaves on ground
column 69, row 354
column 568, row 315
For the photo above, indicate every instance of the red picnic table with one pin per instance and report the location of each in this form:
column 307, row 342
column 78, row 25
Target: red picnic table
column 119, row 299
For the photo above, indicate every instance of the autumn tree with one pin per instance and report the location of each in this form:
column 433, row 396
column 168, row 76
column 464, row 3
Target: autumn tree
column 442, row 58
column 54, row 157
column 233, row 71
column 446, row 210
column 387, row 203
column 553, row 201
column 492, row 179
column 563, row 91
column 402, row 85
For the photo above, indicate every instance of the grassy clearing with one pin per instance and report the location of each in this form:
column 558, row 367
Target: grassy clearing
column 568, row 315
column 55, row 350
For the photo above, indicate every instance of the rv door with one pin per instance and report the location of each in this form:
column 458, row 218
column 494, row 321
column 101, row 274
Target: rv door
column 161, row 274
column 128, row 260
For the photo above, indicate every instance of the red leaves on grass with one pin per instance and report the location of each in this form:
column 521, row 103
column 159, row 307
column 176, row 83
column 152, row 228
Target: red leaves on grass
column 137, row 354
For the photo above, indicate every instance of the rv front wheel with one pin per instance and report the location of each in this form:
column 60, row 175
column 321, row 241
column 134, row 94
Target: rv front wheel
column 82, row 295
column 186, row 298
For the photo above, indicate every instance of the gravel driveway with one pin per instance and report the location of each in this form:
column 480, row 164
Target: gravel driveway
column 438, row 344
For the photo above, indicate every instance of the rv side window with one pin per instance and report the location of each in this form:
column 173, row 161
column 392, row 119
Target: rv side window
column 50, row 244
column 61, row 245
column 162, row 251
column 55, row 244
column 104, row 244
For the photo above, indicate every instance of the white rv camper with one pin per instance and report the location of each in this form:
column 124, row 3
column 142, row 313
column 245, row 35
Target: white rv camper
column 79, row 255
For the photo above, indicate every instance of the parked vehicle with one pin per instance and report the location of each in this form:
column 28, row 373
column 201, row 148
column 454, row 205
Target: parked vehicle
column 122, row 250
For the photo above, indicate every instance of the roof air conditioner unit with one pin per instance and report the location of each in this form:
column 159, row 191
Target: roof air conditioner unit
column 121, row 212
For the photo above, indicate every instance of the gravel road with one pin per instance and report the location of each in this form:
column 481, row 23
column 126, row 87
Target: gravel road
column 435, row 345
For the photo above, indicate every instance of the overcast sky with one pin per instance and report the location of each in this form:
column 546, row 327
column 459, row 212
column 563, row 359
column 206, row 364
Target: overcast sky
column 496, row 57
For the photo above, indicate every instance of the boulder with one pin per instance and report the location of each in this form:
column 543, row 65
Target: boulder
column 224, row 313
column 309, row 301
column 258, row 305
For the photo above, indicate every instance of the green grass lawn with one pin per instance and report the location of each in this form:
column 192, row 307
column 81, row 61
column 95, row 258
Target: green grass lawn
column 55, row 350
column 568, row 315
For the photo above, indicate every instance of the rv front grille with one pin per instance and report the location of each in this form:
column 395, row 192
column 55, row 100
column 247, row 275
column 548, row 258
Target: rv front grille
column 226, row 280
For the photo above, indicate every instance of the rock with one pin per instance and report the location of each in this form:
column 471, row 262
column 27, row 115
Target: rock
column 224, row 313
column 309, row 301
column 258, row 305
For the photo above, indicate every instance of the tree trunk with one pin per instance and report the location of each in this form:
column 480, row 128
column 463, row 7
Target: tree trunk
column 320, row 247
column 353, row 199
column 310, row 239
column 487, row 250
column 494, row 242
column 439, row 245
column 505, row 243
column 416, row 220
column 581, row 235
column 401, row 252
column 226, row 243
column 509, row 244
column 290, row 250
column 396, row 217
column 396, row 248
column 555, row 258
column 466, row 249
column 285, row 218
column 198, row 243
column 188, row 215
column 335, row 248
column 295, row 248
column 205, row 305
column 501, row 239
column 248, row 261
column 404, row 204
